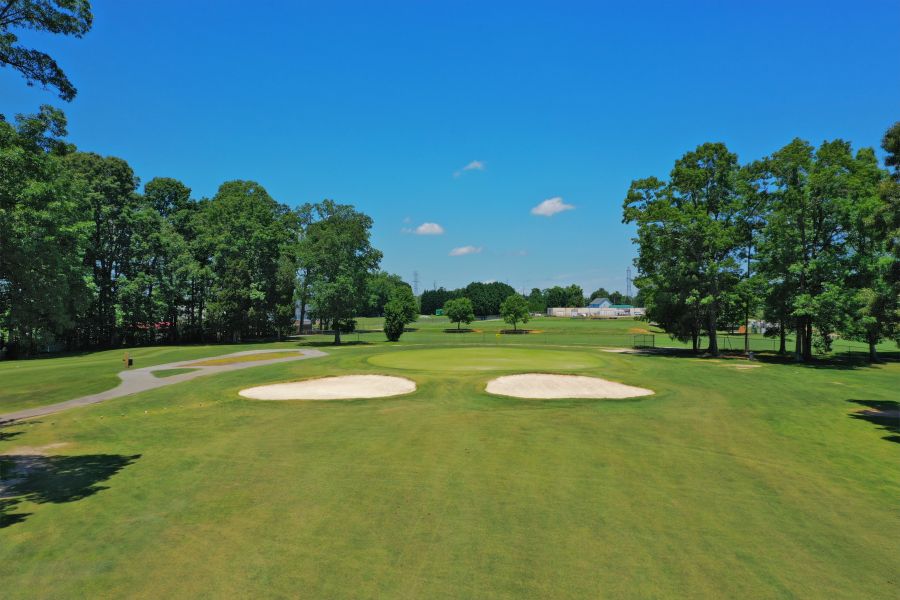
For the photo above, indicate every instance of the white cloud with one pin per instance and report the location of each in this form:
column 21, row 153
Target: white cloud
column 551, row 206
column 475, row 165
column 429, row 229
column 463, row 250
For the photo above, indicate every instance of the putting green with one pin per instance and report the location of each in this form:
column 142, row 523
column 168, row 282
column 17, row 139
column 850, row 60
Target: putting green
column 487, row 359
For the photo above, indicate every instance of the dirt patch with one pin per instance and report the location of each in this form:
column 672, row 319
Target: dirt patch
column 546, row 386
column 639, row 330
column 345, row 387
column 33, row 450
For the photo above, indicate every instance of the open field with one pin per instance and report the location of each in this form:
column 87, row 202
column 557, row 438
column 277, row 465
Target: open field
column 728, row 481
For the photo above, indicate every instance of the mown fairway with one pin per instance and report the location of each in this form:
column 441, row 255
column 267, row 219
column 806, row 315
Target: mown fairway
column 729, row 482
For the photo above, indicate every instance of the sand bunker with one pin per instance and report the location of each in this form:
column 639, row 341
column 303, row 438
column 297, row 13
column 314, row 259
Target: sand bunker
column 540, row 385
column 345, row 387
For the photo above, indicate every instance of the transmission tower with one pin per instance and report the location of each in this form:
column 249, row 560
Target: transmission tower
column 416, row 283
column 628, row 283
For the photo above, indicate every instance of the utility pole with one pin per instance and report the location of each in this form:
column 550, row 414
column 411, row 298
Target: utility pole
column 628, row 284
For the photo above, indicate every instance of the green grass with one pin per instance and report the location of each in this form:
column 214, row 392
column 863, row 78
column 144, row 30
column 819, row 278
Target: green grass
column 215, row 362
column 40, row 381
column 727, row 483
column 487, row 359
column 163, row 373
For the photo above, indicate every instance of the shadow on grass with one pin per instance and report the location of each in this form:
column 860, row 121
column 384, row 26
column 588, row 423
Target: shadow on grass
column 331, row 344
column 8, row 435
column 884, row 413
column 840, row 363
column 57, row 479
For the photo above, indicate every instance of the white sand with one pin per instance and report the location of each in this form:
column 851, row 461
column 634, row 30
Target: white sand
column 333, row 388
column 539, row 385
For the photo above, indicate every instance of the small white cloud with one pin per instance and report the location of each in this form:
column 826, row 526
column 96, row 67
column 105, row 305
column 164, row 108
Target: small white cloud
column 475, row 165
column 489, row 281
column 407, row 220
column 463, row 250
column 429, row 229
column 551, row 206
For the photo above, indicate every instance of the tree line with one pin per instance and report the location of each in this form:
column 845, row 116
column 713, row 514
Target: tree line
column 806, row 239
column 487, row 297
column 88, row 261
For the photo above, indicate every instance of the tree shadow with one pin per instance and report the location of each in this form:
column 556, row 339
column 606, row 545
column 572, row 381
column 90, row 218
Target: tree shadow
column 331, row 344
column 57, row 479
column 769, row 357
column 8, row 435
column 884, row 413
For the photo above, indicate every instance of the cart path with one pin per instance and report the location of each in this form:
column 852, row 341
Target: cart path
column 135, row 381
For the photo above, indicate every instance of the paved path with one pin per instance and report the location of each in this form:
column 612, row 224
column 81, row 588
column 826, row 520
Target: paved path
column 140, row 380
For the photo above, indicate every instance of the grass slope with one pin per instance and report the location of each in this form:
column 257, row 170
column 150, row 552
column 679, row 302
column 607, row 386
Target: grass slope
column 728, row 482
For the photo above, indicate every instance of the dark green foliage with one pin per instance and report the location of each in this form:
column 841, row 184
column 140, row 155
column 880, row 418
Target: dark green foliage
column 432, row 300
column 487, row 297
column 342, row 260
column 379, row 287
column 802, row 238
column 399, row 311
column 66, row 17
column 537, row 301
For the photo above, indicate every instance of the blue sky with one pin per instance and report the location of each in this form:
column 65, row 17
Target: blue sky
column 382, row 105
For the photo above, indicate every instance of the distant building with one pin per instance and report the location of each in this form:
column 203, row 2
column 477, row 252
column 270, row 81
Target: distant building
column 598, row 308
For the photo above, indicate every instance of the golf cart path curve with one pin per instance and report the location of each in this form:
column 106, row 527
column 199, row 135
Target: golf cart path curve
column 135, row 381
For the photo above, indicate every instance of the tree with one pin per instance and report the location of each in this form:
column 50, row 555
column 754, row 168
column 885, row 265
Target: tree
column 687, row 235
column 43, row 283
column 399, row 311
column 574, row 296
column 66, row 17
column 514, row 310
column 557, row 296
column 432, row 300
column 874, row 299
column 537, row 301
column 248, row 236
column 887, row 219
column 459, row 311
column 486, row 297
column 342, row 260
column 379, row 288
column 108, row 200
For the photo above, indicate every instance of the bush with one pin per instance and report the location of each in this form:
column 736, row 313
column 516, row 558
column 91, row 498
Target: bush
column 400, row 310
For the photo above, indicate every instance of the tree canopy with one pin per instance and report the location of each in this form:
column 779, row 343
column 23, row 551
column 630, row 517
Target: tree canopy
column 514, row 310
column 800, row 237
column 459, row 311
column 64, row 17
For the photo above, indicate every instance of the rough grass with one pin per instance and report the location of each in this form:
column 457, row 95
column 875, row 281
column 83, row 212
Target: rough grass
column 738, row 483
